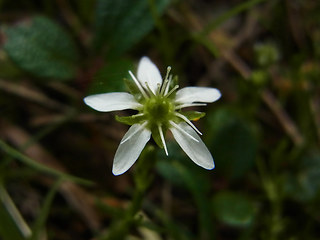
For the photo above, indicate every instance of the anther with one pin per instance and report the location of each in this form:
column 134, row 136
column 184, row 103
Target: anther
column 158, row 89
column 168, row 71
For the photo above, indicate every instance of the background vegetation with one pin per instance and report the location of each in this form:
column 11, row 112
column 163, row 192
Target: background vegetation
column 56, row 153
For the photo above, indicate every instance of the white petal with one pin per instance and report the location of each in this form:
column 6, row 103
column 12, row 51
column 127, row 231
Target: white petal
column 107, row 102
column 129, row 151
column 197, row 94
column 187, row 121
column 182, row 131
column 149, row 73
column 190, row 105
column 132, row 133
column 197, row 151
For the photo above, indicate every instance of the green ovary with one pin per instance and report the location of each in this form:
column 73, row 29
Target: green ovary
column 158, row 110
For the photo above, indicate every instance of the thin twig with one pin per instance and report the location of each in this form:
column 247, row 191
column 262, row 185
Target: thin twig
column 315, row 109
column 30, row 94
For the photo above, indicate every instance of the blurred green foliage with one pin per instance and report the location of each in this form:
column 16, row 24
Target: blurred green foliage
column 233, row 209
column 233, row 142
column 121, row 24
column 115, row 72
column 43, row 48
column 264, row 133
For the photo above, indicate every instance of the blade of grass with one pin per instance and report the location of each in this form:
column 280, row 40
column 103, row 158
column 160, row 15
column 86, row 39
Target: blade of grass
column 201, row 36
column 207, row 43
column 12, row 224
column 40, row 167
column 39, row 225
column 229, row 14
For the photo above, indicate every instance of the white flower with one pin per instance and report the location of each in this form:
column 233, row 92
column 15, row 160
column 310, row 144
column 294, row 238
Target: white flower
column 159, row 109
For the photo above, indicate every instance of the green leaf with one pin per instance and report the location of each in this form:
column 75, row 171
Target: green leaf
column 169, row 172
column 110, row 78
column 143, row 176
column 133, row 89
column 189, row 176
column 129, row 120
column 8, row 69
column 197, row 184
column 305, row 184
column 42, row 48
column 232, row 143
column 266, row 54
column 193, row 115
column 123, row 23
column 259, row 77
column 156, row 136
column 233, row 209
column 12, row 225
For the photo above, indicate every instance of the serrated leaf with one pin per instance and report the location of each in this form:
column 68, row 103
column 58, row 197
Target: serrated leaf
column 42, row 48
column 121, row 24
column 233, row 209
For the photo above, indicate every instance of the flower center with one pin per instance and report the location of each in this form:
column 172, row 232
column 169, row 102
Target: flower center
column 158, row 110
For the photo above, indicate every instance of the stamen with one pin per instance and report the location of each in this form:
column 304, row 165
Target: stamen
column 187, row 121
column 149, row 89
column 168, row 71
column 134, row 132
column 167, row 86
column 158, row 89
column 183, row 131
column 190, row 105
column 138, row 85
column 162, row 139
column 166, row 81
column 172, row 90
column 164, row 86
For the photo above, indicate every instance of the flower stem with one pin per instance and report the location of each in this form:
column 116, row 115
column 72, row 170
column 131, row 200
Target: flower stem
column 273, row 194
column 143, row 179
